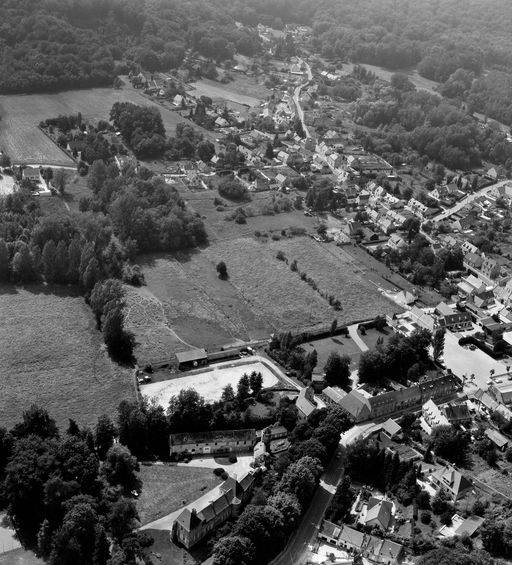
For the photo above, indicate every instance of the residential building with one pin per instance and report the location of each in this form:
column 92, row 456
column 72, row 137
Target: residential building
column 372, row 548
column 448, row 415
column 499, row 440
column 451, row 481
column 223, row 441
column 306, row 402
column 451, row 319
column 361, row 408
column 502, row 392
column 333, row 395
column 379, row 513
column 191, row 526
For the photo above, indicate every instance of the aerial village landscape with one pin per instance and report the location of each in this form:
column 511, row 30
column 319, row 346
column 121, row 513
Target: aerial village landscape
column 253, row 311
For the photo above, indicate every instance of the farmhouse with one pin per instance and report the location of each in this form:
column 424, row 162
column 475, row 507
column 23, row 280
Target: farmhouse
column 191, row 359
column 191, row 526
column 225, row 441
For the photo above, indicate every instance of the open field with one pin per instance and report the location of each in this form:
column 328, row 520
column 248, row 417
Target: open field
column 165, row 487
column 338, row 274
column 269, row 286
column 493, row 477
column 51, row 354
column 208, row 382
column 216, row 92
column 145, row 318
column 25, row 143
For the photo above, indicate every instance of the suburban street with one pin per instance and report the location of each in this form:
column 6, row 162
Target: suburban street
column 467, row 200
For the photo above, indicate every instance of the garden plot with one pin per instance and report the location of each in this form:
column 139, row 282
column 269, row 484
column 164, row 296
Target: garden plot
column 208, row 383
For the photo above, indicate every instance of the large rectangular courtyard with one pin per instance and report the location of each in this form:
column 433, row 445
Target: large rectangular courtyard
column 210, row 382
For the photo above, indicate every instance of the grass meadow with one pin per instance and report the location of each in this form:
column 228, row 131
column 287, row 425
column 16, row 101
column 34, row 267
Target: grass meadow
column 51, row 354
column 165, row 487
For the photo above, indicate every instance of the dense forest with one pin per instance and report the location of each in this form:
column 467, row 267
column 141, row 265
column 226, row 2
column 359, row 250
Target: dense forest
column 56, row 44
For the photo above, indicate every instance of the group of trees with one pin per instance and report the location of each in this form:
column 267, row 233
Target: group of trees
column 146, row 213
column 287, row 351
column 415, row 124
column 141, row 127
column 419, row 261
column 69, row 496
column 401, row 359
column 370, row 464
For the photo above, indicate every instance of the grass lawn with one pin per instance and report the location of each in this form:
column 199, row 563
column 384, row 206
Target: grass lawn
column 339, row 343
column 51, row 354
column 372, row 336
column 20, row 557
column 493, row 476
column 165, row 552
column 165, row 487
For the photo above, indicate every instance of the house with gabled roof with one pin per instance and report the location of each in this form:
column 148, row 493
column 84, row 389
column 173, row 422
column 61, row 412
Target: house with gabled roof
column 451, row 481
column 379, row 513
column 192, row 525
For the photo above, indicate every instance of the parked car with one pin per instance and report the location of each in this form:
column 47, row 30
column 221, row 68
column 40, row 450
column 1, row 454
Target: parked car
column 472, row 346
column 147, row 379
column 140, row 381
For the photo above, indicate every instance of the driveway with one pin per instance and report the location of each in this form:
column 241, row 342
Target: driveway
column 352, row 330
column 242, row 465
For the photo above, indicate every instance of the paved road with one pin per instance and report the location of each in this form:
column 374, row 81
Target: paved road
column 468, row 200
column 296, row 552
column 296, row 99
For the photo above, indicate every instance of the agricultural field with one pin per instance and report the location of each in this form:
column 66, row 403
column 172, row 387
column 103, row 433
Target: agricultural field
column 201, row 315
column 165, row 487
column 269, row 286
column 209, row 383
column 51, row 354
column 241, row 91
column 25, row 143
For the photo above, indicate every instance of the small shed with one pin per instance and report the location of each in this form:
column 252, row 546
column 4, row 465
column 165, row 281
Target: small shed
column 192, row 358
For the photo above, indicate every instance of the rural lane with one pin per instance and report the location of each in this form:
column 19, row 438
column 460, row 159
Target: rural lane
column 296, row 552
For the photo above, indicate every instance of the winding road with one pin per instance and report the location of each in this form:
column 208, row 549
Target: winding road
column 296, row 98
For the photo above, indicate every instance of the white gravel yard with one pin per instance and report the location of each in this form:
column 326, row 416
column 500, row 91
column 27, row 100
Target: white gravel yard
column 6, row 184
column 210, row 382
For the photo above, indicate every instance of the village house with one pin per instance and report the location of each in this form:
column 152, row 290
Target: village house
column 372, row 548
column 499, row 440
column 433, row 415
column 451, row 319
column 306, row 402
column 216, row 442
column 379, row 513
column 451, row 481
column 191, row 526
